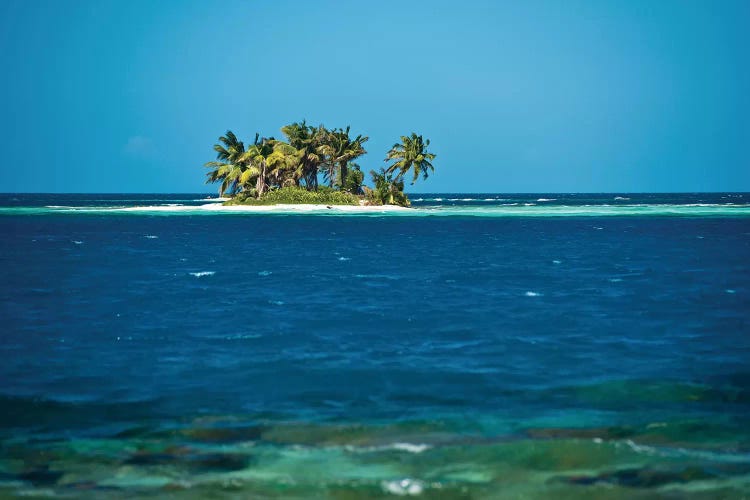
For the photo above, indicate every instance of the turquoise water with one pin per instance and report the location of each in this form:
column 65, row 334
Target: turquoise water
column 578, row 347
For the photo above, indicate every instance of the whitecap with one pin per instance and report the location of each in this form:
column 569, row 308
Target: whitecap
column 411, row 448
column 200, row 274
column 77, row 242
column 344, row 258
column 264, row 273
column 398, row 446
column 621, row 198
column 729, row 290
column 532, row 294
column 245, row 336
column 404, row 487
column 556, row 262
column 547, row 199
column 150, row 237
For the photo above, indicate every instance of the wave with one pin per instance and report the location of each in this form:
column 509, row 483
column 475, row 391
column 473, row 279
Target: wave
column 400, row 446
column 200, row 274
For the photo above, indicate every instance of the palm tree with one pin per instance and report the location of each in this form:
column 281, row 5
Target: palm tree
column 308, row 140
column 340, row 149
column 257, row 158
column 410, row 154
column 283, row 165
column 270, row 163
column 229, row 165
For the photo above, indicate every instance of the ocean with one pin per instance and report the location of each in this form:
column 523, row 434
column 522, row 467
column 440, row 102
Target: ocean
column 481, row 346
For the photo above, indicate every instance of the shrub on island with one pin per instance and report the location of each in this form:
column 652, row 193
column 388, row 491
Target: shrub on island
column 294, row 195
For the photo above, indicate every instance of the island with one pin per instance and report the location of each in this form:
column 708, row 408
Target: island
column 273, row 172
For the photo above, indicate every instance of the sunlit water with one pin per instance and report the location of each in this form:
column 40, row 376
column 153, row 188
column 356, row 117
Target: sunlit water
column 557, row 346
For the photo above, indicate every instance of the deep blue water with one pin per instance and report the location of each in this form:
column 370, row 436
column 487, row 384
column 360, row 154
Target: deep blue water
column 463, row 328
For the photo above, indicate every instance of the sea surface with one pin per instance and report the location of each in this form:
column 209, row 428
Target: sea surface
column 480, row 346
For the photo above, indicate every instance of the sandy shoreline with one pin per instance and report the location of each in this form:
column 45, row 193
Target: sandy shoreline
column 280, row 208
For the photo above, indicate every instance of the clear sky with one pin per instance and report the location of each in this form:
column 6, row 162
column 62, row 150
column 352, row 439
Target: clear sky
column 517, row 96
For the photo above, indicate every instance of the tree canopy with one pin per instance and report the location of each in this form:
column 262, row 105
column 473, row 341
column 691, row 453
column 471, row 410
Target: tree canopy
column 309, row 153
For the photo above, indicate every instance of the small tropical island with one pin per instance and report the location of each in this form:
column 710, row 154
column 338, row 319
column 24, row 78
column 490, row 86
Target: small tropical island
column 277, row 172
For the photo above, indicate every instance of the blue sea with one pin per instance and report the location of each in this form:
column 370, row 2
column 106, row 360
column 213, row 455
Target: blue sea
column 561, row 346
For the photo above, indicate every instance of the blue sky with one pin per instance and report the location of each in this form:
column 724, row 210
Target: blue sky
column 538, row 96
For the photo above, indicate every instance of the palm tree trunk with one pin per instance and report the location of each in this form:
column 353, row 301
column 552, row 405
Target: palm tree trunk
column 343, row 170
column 260, row 185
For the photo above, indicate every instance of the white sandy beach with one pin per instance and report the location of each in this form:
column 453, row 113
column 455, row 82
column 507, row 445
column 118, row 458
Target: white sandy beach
column 280, row 208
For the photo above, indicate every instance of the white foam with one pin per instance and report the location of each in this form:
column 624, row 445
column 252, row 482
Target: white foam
column 241, row 336
column 729, row 290
column 200, row 274
column 264, row 273
column 150, row 237
column 411, row 448
column 556, row 262
column 344, row 258
column 621, row 198
column 547, row 199
column 404, row 487
column 398, row 446
column 280, row 208
column 669, row 452
column 77, row 242
column 532, row 294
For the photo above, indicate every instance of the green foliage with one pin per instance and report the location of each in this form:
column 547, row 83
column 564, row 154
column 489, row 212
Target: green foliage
column 354, row 180
column 340, row 149
column 308, row 141
column 270, row 171
column 229, row 165
column 297, row 195
column 410, row 154
column 388, row 190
